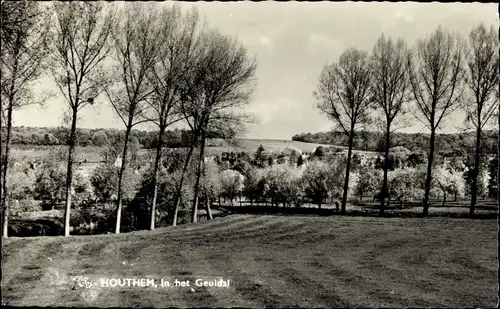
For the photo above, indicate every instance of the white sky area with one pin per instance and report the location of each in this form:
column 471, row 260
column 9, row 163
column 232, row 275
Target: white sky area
column 292, row 42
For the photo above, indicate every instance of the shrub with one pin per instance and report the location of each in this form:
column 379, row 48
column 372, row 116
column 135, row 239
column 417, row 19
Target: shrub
column 50, row 184
column 211, row 185
column 104, row 182
column 282, row 184
column 319, row 152
column 139, row 208
column 370, row 182
column 20, row 184
column 317, row 182
column 232, row 183
column 407, row 184
column 20, row 206
column 254, row 184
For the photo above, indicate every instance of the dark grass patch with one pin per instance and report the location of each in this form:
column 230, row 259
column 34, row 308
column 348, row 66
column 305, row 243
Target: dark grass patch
column 92, row 249
column 10, row 250
column 285, row 261
column 366, row 212
column 24, row 282
column 256, row 291
column 182, row 273
column 318, row 291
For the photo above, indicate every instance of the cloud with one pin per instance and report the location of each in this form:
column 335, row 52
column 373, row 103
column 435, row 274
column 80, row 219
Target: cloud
column 264, row 40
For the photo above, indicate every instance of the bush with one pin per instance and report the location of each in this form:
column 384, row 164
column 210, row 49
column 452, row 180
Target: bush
column 27, row 204
column 139, row 208
column 82, row 192
column 282, row 184
column 20, row 184
column 254, row 184
column 319, row 152
column 41, row 227
column 317, row 182
column 50, row 184
column 104, row 182
column 370, row 182
column 449, row 182
column 211, row 185
column 407, row 184
column 232, row 183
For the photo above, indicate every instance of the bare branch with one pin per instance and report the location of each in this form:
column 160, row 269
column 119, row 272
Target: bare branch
column 342, row 93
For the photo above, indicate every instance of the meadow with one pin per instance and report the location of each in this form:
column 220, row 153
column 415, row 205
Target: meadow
column 214, row 147
column 278, row 261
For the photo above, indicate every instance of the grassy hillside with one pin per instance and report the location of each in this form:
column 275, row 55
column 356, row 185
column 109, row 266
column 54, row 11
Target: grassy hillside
column 215, row 146
column 270, row 261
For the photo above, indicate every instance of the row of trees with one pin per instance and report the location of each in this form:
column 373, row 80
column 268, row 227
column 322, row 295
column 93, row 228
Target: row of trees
column 449, row 145
column 440, row 74
column 151, row 62
column 32, row 136
column 318, row 179
column 446, row 144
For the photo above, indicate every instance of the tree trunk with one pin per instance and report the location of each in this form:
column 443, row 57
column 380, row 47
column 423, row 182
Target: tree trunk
column 5, row 191
column 444, row 199
column 428, row 178
column 319, row 205
column 1, row 166
column 209, row 210
column 69, row 174
column 347, row 171
column 199, row 169
column 386, row 169
column 159, row 146
column 181, row 181
column 475, row 174
column 4, row 162
column 120, row 177
column 498, row 161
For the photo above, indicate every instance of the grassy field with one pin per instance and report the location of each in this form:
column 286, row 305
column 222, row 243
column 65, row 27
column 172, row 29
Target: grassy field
column 215, row 146
column 273, row 261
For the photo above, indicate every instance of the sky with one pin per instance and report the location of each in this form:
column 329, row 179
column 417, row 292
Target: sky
column 292, row 42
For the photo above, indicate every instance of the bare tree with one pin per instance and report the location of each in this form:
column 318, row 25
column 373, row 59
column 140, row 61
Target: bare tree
column 390, row 91
column 176, row 58
column 15, row 17
column 81, row 45
column 222, row 84
column 23, row 60
column 481, row 79
column 137, row 41
column 343, row 95
column 436, row 75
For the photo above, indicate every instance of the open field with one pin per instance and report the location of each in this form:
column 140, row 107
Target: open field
column 271, row 261
column 92, row 154
column 215, row 146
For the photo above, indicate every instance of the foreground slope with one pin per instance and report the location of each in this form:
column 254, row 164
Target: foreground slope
column 271, row 261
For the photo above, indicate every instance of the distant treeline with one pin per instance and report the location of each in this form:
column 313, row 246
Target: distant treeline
column 96, row 137
column 446, row 144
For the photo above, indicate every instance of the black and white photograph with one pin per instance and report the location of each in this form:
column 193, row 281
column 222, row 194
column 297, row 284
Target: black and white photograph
column 177, row 154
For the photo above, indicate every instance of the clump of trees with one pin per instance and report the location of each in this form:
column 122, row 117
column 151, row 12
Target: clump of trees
column 434, row 78
column 159, row 65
